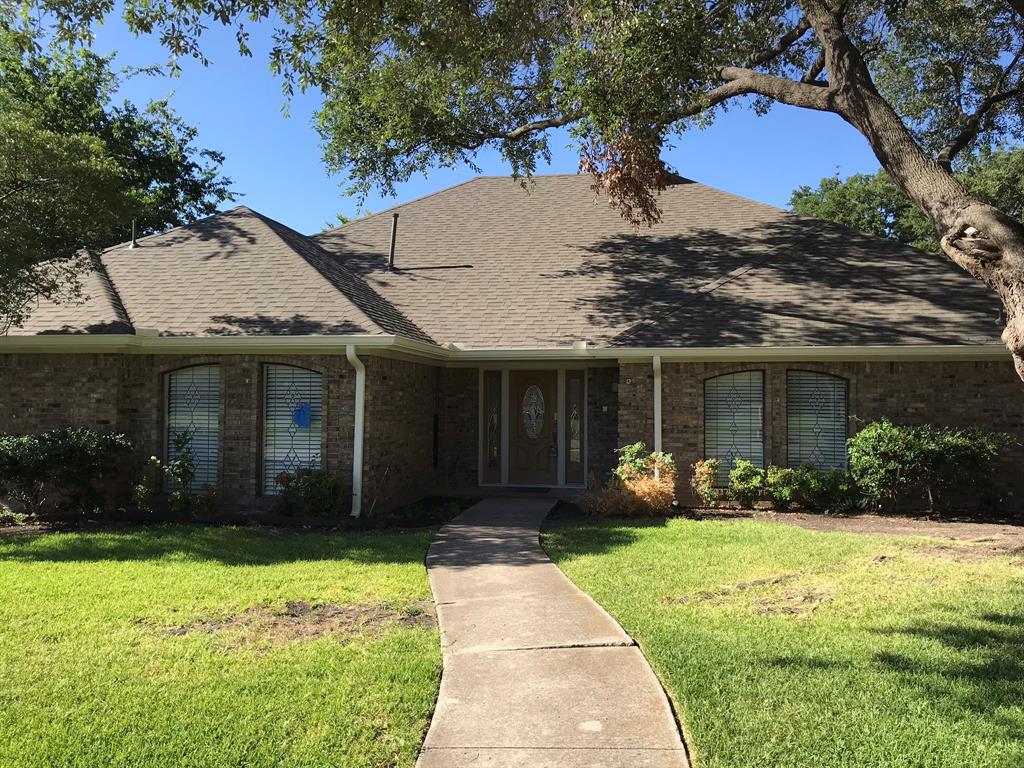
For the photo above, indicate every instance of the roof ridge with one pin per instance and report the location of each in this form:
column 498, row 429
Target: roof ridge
column 356, row 282
column 186, row 225
column 114, row 295
column 400, row 205
column 272, row 225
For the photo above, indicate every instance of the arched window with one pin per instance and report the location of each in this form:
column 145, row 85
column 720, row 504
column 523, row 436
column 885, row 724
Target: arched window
column 734, row 420
column 292, row 422
column 816, row 420
column 193, row 408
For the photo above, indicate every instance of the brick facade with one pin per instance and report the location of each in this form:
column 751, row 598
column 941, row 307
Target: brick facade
column 402, row 440
column 126, row 393
column 602, row 421
column 422, row 421
column 986, row 394
column 460, row 427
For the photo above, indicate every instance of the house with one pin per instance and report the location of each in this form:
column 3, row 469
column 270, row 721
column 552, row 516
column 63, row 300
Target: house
column 519, row 337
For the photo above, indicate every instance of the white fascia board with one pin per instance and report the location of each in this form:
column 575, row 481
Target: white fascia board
column 795, row 354
column 150, row 344
column 147, row 343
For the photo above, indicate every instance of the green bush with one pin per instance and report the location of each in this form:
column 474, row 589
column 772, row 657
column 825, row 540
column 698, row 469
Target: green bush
column 72, row 463
column 313, row 493
column 783, row 486
column 746, row 482
column 889, row 462
column 703, row 481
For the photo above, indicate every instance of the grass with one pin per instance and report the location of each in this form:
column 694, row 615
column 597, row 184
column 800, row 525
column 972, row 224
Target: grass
column 870, row 650
column 99, row 665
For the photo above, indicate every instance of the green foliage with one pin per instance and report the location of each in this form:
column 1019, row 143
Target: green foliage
column 889, row 461
column 73, row 463
column 181, row 472
column 145, row 491
column 746, row 482
column 409, row 85
column 872, row 203
column 76, row 168
column 635, row 459
column 802, row 487
column 313, row 493
column 703, row 481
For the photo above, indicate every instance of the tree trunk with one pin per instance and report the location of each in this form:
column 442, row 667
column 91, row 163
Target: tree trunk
column 979, row 238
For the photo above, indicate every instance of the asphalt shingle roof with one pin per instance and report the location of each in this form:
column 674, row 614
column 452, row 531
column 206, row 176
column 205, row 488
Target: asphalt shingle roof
column 237, row 273
column 489, row 263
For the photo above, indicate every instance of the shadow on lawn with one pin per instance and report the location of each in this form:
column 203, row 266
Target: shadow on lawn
column 985, row 675
column 225, row 545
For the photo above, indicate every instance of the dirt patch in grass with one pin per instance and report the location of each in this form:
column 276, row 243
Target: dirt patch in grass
column 262, row 627
column 728, row 590
column 793, row 602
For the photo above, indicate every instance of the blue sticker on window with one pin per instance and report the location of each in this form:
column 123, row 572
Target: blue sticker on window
column 301, row 416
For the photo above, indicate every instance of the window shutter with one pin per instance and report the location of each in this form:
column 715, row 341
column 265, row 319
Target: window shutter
column 292, row 422
column 734, row 420
column 193, row 406
column 816, row 416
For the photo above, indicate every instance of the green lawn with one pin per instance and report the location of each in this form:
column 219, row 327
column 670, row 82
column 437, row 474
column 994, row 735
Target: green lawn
column 870, row 651
column 171, row 646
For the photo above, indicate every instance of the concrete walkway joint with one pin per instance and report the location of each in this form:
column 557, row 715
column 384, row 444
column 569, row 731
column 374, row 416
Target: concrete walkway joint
column 535, row 672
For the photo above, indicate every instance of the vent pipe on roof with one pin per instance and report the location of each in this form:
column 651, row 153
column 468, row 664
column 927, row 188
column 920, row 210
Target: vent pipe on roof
column 394, row 235
column 134, row 242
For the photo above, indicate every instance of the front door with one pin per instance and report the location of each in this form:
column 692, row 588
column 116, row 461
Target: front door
column 533, row 430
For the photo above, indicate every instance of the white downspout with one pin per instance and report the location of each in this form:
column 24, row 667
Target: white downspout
column 357, row 442
column 657, row 407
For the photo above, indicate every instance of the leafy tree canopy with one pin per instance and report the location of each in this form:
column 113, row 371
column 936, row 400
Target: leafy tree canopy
column 76, row 169
column 872, row 203
column 409, row 84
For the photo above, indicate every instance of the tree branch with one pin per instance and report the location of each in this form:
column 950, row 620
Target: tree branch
column 783, row 44
column 975, row 122
column 813, row 71
column 1018, row 6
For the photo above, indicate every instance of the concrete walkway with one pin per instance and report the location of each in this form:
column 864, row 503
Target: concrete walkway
column 535, row 672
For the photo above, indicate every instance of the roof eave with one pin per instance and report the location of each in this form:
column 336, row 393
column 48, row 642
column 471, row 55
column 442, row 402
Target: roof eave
column 150, row 343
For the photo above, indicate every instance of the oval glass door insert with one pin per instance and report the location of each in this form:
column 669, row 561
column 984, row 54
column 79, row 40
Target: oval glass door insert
column 533, row 411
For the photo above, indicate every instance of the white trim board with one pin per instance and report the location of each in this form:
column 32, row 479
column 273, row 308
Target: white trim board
column 577, row 355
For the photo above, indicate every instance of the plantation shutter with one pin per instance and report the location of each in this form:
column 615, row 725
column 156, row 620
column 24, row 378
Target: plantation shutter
column 734, row 420
column 193, row 406
column 816, row 407
column 292, row 422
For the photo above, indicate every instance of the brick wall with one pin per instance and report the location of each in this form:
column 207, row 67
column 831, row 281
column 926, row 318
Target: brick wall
column 602, row 421
column 986, row 394
column 403, row 409
column 125, row 393
column 460, row 427
column 636, row 404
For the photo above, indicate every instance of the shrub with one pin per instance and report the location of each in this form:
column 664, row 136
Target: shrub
column 313, row 493
column 643, row 483
column 703, row 481
column 782, row 486
column 883, row 460
column 889, row 461
column 72, row 462
column 149, row 486
column 746, row 482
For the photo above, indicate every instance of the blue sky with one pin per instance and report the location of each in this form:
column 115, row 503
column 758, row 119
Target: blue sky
column 275, row 164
